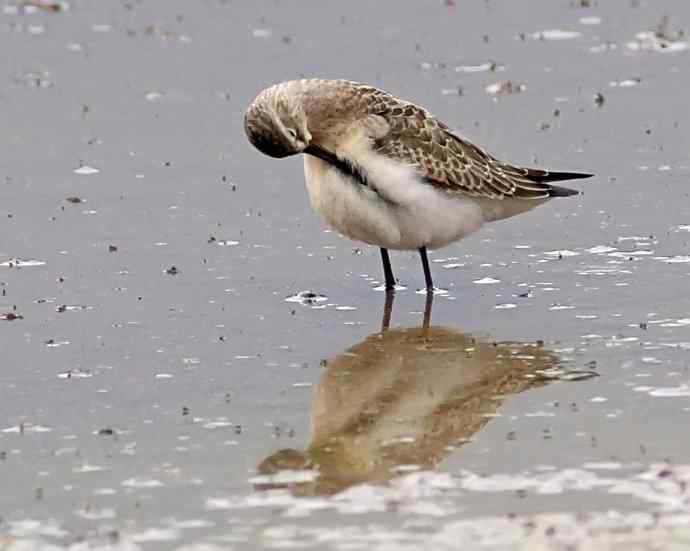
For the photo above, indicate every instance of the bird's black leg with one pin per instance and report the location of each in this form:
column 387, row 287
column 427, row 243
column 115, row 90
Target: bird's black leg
column 427, row 271
column 387, row 270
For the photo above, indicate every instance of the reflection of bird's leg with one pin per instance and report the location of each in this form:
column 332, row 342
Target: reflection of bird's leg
column 427, row 309
column 387, row 270
column 427, row 271
column 387, row 310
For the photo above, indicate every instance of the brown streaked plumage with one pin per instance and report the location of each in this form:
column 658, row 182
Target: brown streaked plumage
column 386, row 171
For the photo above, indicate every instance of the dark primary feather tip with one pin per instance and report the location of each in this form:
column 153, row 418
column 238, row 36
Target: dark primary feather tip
column 547, row 176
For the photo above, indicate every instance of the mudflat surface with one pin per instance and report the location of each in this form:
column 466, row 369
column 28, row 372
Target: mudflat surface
column 156, row 383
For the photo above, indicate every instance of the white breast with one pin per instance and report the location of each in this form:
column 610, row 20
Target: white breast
column 402, row 212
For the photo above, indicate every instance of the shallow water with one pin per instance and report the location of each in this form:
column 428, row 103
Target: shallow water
column 178, row 328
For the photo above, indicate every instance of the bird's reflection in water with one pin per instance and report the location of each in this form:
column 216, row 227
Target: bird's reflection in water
column 404, row 397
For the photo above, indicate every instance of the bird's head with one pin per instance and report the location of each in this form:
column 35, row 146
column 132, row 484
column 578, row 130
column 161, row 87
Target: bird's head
column 275, row 123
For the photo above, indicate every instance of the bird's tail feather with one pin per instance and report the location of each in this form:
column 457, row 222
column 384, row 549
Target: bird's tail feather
column 546, row 176
column 558, row 191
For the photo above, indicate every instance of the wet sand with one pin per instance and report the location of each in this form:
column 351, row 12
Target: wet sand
column 156, row 382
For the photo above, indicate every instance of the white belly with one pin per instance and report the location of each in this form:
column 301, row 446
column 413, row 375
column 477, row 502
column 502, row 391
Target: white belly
column 403, row 213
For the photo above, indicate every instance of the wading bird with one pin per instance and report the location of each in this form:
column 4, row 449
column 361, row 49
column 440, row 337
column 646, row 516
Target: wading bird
column 386, row 171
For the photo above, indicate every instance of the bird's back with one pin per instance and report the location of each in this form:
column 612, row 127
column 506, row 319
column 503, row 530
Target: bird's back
column 415, row 137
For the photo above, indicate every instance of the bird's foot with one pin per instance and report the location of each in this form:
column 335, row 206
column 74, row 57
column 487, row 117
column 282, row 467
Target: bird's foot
column 436, row 291
column 396, row 287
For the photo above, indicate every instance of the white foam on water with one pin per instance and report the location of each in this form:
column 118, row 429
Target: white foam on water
column 555, row 34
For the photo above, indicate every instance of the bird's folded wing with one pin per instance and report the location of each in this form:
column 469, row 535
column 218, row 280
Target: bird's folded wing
column 454, row 165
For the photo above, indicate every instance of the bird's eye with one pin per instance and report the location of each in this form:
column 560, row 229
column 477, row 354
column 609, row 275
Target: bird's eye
column 292, row 132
